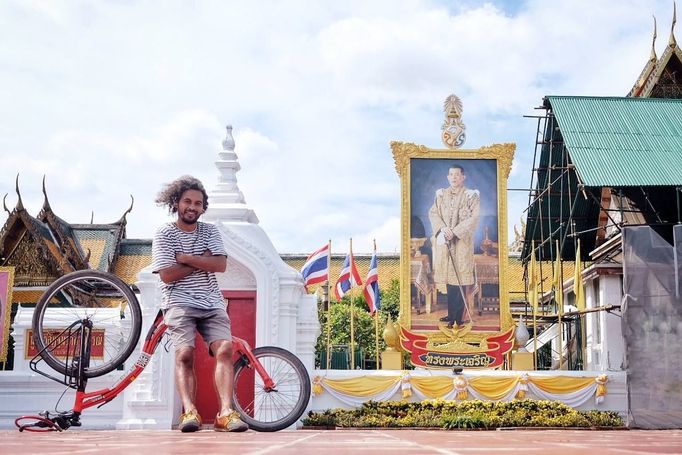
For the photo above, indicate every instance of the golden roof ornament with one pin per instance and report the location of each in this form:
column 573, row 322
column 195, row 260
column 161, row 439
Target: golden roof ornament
column 671, row 41
column 453, row 135
column 653, row 57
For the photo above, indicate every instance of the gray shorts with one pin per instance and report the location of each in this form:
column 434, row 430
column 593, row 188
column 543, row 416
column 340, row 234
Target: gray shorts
column 184, row 321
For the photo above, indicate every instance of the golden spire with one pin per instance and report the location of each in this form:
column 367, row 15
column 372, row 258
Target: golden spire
column 672, row 42
column 20, row 204
column 46, row 202
column 5, row 205
column 653, row 57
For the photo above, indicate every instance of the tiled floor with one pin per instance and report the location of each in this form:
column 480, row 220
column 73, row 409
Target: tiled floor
column 541, row 442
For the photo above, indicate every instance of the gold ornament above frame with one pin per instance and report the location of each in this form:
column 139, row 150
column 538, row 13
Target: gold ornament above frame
column 454, row 242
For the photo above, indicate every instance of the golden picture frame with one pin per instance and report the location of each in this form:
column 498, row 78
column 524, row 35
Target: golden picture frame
column 423, row 172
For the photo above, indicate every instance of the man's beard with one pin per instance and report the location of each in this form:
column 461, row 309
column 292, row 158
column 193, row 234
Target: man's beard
column 186, row 220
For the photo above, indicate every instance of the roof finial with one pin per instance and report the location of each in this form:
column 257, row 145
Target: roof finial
column 5, row 205
column 672, row 42
column 130, row 209
column 92, row 217
column 46, row 203
column 20, row 204
column 653, row 57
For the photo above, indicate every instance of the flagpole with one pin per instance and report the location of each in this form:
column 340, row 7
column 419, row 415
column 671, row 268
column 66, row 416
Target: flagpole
column 376, row 319
column 559, row 297
column 580, row 304
column 329, row 306
column 352, row 327
column 535, row 306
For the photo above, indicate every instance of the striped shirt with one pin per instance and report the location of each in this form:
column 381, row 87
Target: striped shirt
column 200, row 288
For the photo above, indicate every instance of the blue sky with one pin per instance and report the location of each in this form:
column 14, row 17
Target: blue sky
column 113, row 98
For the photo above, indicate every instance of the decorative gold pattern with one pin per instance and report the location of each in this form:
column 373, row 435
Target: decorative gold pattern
column 30, row 263
column 7, row 304
column 403, row 151
column 503, row 154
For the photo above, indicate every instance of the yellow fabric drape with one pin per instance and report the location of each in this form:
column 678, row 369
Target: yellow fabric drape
column 493, row 388
column 363, row 386
column 578, row 288
column 561, row 384
column 558, row 283
column 433, row 387
column 438, row 387
column 533, row 280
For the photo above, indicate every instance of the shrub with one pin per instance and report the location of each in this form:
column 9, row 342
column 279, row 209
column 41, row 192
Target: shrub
column 466, row 414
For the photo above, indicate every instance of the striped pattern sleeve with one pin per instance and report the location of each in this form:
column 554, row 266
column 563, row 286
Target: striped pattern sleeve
column 215, row 241
column 163, row 253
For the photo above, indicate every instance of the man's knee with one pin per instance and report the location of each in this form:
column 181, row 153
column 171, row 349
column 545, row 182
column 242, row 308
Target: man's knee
column 184, row 357
column 222, row 349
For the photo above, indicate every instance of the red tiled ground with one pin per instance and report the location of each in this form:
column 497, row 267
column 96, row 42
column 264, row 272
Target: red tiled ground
column 302, row 442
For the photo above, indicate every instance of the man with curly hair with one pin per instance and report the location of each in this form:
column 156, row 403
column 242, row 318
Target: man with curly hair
column 187, row 254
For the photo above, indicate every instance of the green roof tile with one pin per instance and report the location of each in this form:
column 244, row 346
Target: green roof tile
column 622, row 141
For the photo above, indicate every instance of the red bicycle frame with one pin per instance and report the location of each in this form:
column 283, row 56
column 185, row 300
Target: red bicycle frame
column 86, row 400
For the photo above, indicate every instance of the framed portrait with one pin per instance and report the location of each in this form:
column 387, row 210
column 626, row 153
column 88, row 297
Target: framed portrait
column 6, row 285
column 453, row 262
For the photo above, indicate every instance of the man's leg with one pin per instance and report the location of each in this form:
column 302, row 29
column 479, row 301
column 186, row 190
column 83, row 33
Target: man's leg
column 227, row 419
column 185, row 378
column 452, row 295
column 215, row 328
column 458, row 305
column 224, row 373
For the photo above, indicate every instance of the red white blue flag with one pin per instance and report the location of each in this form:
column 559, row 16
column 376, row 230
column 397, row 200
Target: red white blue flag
column 316, row 267
column 349, row 277
column 371, row 290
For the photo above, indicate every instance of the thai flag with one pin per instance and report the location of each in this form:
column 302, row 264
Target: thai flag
column 350, row 277
column 316, row 267
column 371, row 290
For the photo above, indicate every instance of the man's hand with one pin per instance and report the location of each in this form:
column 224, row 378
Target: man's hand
column 182, row 258
column 188, row 263
column 447, row 232
column 206, row 262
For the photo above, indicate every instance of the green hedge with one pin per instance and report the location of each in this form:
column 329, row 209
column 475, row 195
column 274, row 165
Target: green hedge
column 465, row 414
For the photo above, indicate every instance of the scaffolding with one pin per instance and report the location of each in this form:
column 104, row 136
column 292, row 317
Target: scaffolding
column 563, row 208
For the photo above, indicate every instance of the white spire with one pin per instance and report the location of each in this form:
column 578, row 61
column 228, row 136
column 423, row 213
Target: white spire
column 226, row 201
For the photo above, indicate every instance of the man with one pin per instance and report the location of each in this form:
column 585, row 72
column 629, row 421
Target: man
column 454, row 218
column 187, row 254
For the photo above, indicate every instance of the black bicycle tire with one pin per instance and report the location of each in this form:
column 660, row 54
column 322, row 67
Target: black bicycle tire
column 33, row 427
column 303, row 399
column 53, row 289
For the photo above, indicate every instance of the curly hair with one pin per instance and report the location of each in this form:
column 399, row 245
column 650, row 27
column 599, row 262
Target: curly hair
column 171, row 192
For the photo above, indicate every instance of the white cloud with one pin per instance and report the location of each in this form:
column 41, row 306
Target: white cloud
column 109, row 99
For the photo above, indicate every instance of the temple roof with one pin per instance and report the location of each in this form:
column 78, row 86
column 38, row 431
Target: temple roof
column 661, row 78
column 45, row 247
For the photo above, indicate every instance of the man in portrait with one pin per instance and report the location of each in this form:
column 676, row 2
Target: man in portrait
column 454, row 218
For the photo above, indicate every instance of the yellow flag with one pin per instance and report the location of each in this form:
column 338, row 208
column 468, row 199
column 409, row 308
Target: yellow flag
column 557, row 282
column 533, row 280
column 578, row 281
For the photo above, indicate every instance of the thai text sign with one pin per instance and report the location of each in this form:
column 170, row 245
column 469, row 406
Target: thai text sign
column 424, row 354
column 63, row 347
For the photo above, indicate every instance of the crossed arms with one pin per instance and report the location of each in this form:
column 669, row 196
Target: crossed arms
column 187, row 263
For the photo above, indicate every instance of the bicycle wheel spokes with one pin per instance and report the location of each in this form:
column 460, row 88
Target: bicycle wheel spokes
column 278, row 408
column 94, row 301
